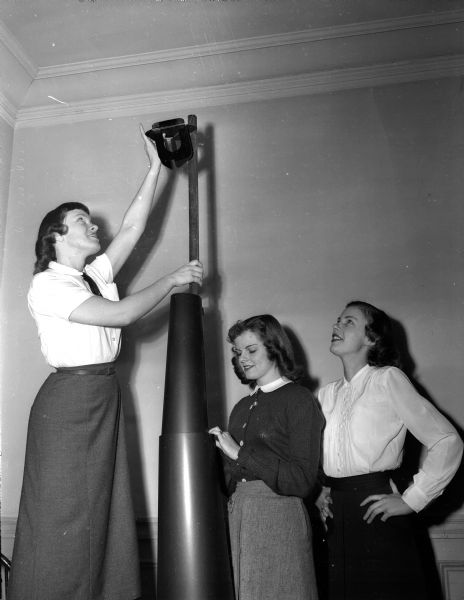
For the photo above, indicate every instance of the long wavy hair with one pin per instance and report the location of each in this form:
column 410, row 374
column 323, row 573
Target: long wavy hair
column 379, row 329
column 52, row 224
column 278, row 347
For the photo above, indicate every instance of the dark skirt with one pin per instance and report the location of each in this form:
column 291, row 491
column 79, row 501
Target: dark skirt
column 376, row 561
column 271, row 545
column 75, row 536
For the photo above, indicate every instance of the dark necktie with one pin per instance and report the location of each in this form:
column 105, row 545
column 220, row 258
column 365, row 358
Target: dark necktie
column 91, row 283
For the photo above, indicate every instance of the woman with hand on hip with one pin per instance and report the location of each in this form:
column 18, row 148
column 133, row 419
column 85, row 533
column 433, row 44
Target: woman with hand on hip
column 372, row 551
column 75, row 536
column 271, row 452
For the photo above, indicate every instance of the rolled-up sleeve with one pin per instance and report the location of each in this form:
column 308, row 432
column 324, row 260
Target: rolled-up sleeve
column 54, row 296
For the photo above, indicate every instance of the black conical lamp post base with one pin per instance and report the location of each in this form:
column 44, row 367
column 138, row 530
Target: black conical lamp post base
column 193, row 554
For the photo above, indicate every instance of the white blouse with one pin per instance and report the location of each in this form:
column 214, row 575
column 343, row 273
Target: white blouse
column 53, row 295
column 367, row 420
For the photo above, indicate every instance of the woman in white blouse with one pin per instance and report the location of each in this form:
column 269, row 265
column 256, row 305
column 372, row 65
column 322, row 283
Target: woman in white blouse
column 75, row 536
column 372, row 551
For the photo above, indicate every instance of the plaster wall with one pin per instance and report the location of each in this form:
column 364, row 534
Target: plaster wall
column 6, row 150
column 306, row 203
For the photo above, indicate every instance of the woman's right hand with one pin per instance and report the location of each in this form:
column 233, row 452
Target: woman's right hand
column 150, row 149
column 323, row 503
column 189, row 273
column 225, row 442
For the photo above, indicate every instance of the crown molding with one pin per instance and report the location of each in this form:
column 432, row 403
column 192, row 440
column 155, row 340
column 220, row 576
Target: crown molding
column 255, row 43
column 15, row 48
column 7, row 110
column 219, row 95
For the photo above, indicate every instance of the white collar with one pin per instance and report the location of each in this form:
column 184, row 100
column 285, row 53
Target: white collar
column 60, row 268
column 270, row 387
column 357, row 375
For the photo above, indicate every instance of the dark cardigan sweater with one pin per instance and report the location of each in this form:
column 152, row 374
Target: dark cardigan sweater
column 280, row 437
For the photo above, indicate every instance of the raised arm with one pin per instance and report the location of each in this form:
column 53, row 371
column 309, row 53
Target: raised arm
column 109, row 313
column 135, row 218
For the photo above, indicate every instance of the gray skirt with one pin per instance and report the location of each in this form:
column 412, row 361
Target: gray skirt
column 75, row 537
column 271, row 545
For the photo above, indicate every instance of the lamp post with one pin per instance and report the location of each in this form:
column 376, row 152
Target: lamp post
column 193, row 551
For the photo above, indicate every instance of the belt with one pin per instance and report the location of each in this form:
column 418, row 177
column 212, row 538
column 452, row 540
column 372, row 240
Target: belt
column 358, row 482
column 97, row 369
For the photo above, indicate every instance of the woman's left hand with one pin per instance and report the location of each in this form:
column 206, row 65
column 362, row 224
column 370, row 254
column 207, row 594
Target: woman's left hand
column 323, row 503
column 225, row 442
column 387, row 505
column 150, row 149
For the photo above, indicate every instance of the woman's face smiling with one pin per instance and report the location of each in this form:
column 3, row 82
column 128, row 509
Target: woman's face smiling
column 349, row 333
column 81, row 235
column 253, row 358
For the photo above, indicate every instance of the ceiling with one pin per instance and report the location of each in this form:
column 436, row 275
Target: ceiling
column 63, row 60
column 60, row 32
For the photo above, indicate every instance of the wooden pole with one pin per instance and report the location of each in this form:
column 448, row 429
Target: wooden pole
column 194, row 249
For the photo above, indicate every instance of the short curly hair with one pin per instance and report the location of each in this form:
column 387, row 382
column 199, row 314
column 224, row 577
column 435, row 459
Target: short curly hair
column 275, row 340
column 51, row 224
column 379, row 329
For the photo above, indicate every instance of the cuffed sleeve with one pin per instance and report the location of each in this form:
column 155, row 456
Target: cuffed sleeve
column 443, row 445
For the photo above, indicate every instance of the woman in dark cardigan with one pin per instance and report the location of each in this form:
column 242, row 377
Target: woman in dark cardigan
column 75, row 537
column 271, row 454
